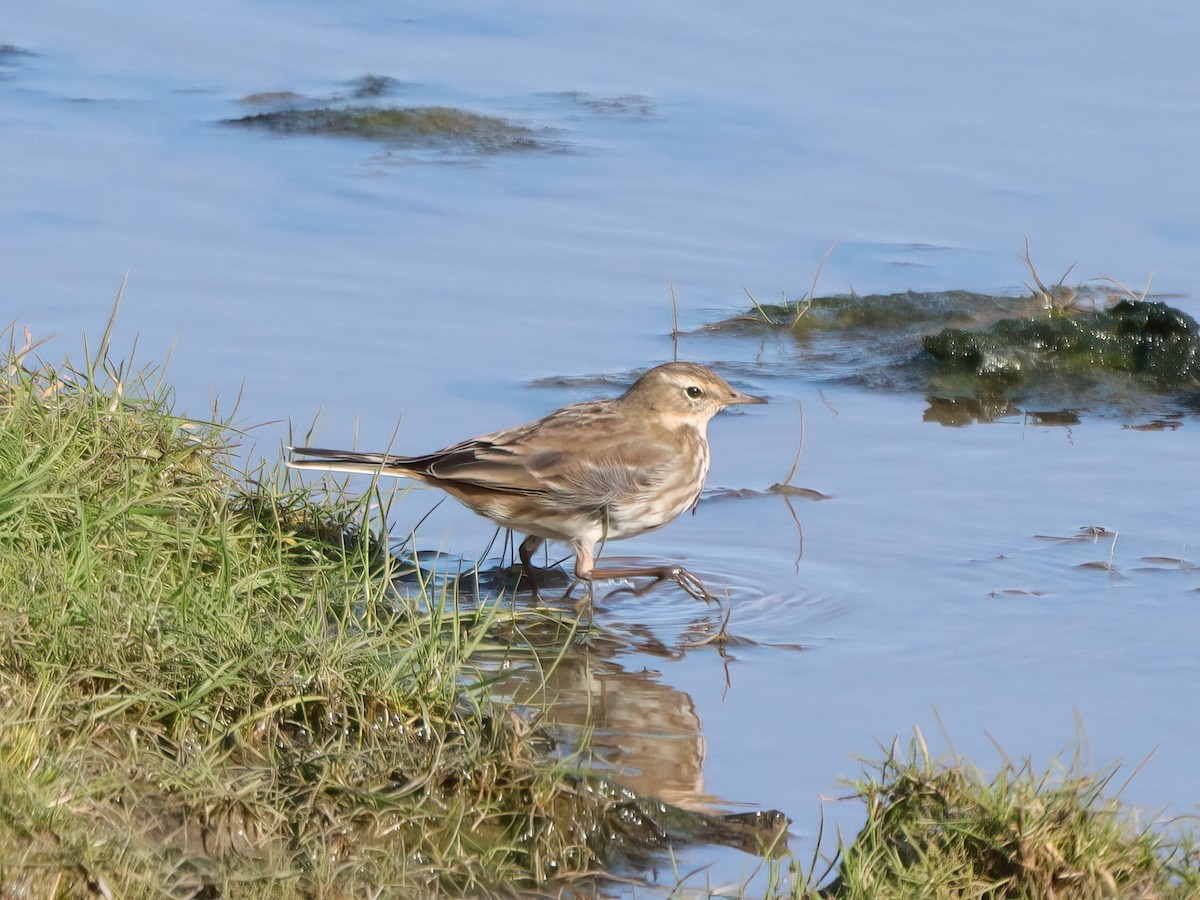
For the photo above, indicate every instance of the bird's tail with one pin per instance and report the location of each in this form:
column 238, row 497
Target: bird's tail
column 346, row 461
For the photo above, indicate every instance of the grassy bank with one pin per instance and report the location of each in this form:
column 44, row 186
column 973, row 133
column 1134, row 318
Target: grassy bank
column 207, row 683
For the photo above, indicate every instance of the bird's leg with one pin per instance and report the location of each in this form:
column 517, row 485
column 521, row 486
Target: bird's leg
column 528, row 547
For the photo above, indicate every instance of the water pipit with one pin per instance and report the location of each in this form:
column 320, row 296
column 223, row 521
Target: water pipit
column 591, row 472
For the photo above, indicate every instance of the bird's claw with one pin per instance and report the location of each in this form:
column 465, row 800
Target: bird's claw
column 692, row 585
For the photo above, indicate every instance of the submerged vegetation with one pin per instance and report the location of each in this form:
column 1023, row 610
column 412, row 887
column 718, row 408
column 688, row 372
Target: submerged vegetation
column 1135, row 337
column 407, row 126
column 976, row 355
column 420, row 125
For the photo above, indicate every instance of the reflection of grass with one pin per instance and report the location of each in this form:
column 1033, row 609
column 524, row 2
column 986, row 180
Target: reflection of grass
column 209, row 685
column 941, row 829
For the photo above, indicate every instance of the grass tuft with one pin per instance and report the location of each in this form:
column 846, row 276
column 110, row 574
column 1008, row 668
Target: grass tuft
column 940, row 828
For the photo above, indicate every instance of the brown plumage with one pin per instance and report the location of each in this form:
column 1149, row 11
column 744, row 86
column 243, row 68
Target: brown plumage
column 591, row 472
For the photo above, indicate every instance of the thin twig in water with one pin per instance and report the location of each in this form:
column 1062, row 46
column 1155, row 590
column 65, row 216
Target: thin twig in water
column 721, row 635
column 787, row 481
column 799, row 531
column 800, row 447
column 758, row 306
column 805, row 304
column 674, row 324
column 1141, row 297
column 1048, row 294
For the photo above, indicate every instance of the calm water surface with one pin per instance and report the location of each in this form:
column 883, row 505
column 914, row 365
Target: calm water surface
column 372, row 284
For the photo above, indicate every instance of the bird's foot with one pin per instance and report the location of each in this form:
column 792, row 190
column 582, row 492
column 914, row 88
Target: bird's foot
column 692, row 586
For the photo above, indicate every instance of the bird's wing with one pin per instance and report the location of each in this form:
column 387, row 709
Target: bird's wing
column 587, row 453
column 482, row 464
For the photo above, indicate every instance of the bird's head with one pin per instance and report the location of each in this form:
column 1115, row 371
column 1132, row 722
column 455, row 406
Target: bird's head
column 686, row 392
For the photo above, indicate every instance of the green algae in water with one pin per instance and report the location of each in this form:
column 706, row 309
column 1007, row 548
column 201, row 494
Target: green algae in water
column 1137, row 337
column 412, row 125
column 884, row 312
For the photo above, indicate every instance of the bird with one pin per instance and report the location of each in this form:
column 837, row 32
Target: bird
column 585, row 474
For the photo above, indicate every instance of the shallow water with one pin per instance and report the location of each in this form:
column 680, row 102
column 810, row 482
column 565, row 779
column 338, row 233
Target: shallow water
column 375, row 284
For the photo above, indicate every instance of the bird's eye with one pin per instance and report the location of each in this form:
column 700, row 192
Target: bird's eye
column 694, row 392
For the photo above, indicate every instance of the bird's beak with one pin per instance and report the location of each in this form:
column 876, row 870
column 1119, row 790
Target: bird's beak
column 740, row 399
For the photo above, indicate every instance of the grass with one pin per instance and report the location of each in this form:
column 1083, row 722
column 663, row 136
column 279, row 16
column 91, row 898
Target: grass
column 209, row 685
column 941, row 828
